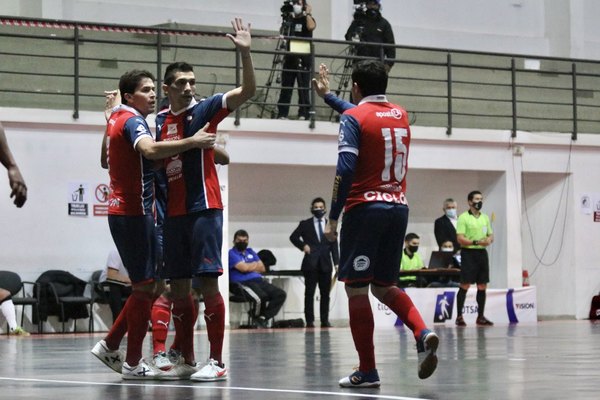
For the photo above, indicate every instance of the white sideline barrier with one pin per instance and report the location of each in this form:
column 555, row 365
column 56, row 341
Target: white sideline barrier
column 438, row 305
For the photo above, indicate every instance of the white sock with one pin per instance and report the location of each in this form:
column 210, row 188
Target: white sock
column 8, row 310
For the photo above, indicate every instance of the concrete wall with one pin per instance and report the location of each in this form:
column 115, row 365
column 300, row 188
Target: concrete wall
column 279, row 166
column 559, row 28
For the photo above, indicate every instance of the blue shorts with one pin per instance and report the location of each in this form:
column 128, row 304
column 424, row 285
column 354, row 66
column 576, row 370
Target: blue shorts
column 135, row 238
column 371, row 243
column 192, row 245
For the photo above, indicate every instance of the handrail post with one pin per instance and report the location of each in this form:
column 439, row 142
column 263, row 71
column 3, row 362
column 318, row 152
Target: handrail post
column 513, row 85
column 76, row 72
column 449, row 98
column 158, row 68
column 311, row 92
column 237, row 83
column 574, row 72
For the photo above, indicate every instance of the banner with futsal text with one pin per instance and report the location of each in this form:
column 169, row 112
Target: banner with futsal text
column 438, row 305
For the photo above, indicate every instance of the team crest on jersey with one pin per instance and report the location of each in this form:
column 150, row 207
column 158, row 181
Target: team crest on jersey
column 141, row 129
column 393, row 113
column 171, row 129
column 361, row 263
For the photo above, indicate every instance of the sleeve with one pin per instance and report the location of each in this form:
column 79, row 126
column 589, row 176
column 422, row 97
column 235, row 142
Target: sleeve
column 136, row 128
column 335, row 253
column 296, row 237
column 213, row 109
column 437, row 231
column 348, row 144
column 461, row 229
column 337, row 104
column 234, row 258
column 254, row 255
column 350, row 31
column 489, row 226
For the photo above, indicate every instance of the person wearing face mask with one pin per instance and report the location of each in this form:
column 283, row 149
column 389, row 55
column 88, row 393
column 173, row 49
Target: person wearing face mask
column 369, row 25
column 444, row 227
column 246, row 269
column 320, row 255
column 453, row 262
column 411, row 260
column 474, row 233
column 296, row 67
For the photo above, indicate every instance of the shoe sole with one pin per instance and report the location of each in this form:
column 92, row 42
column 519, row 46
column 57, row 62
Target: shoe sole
column 365, row 385
column 220, row 378
column 429, row 364
column 101, row 358
column 138, row 378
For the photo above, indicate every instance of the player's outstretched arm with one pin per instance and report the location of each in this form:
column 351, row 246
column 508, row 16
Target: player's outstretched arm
column 113, row 99
column 158, row 150
column 321, row 86
column 15, row 179
column 242, row 40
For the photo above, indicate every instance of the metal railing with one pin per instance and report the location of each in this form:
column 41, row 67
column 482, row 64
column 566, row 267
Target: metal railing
column 67, row 65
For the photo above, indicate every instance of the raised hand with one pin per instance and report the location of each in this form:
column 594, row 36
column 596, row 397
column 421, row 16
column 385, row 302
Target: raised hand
column 242, row 38
column 113, row 99
column 17, row 184
column 321, row 85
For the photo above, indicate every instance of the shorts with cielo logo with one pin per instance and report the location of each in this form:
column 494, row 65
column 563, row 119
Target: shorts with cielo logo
column 371, row 243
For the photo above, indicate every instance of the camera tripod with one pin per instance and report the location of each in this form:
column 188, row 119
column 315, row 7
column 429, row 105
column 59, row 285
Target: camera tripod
column 275, row 74
column 345, row 76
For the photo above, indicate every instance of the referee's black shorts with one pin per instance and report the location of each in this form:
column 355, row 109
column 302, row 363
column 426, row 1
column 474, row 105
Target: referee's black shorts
column 474, row 266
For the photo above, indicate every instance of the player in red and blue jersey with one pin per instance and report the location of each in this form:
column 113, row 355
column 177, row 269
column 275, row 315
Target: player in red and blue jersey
column 193, row 227
column 373, row 147
column 130, row 147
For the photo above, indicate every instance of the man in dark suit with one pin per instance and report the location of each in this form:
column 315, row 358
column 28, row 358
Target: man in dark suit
column 319, row 257
column 444, row 227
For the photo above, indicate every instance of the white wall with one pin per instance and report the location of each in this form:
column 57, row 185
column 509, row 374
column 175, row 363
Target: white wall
column 279, row 166
column 559, row 28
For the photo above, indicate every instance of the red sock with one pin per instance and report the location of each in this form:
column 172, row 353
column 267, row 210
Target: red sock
column 214, row 315
column 160, row 317
column 183, row 318
column 362, row 326
column 403, row 307
column 138, row 314
column 118, row 329
column 175, row 345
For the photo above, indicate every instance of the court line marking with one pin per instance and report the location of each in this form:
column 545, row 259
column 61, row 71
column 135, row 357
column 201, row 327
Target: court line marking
column 200, row 387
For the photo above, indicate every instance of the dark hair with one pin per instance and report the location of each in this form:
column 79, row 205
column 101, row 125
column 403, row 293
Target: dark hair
column 240, row 232
column 371, row 77
column 130, row 80
column 411, row 236
column 175, row 67
column 472, row 194
column 317, row 200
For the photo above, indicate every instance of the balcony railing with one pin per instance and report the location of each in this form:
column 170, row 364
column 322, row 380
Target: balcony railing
column 67, row 65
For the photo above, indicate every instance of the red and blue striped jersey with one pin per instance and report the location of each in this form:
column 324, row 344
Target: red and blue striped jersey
column 191, row 177
column 378, row 132
column 131, row 175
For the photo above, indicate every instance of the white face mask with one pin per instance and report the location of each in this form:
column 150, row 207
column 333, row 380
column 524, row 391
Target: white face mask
column 446, row 249
column 451, row 213
column 297, row 9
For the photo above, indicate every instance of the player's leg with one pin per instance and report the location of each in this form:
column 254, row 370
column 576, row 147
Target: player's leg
column 206, row 261
column 358, row 243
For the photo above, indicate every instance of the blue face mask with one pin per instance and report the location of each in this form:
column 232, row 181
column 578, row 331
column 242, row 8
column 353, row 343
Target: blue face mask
column 451, row 213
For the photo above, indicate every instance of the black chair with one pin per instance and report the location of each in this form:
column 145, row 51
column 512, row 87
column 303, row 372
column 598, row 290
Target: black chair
column 62, row 294
column 244, row 295
column 29, row 295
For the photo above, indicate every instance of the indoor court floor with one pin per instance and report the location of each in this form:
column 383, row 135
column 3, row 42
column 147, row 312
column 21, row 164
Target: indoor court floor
column 548, row 360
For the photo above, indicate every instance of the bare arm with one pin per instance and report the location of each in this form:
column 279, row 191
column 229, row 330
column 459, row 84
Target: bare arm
column 158, row 150
column 311, row 24
column 221, row 156
column 15, row 179
column 113, row 99
column 242, row 40
column 256, row 266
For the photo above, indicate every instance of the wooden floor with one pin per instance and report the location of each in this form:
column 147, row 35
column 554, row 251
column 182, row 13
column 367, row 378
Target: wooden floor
column 550, row 360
